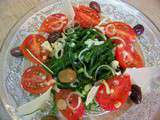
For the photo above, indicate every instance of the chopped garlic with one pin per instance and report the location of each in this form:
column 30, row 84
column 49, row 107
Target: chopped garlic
column 112, row 91
column 50, row 82
column 44, row 57
column 118, row 104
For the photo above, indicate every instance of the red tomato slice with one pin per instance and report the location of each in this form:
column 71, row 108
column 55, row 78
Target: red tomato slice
column 128, row 57
column 120, row 86
column 73, row 101
column 36, row 80
column 86, row 17
column 54, row 23
column 120, row 30
column 33, row 44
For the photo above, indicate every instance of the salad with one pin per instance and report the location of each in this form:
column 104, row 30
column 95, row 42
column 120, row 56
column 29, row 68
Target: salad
column 84, row 63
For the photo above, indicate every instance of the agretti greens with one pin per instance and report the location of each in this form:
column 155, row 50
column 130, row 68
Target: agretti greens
column 85, row 51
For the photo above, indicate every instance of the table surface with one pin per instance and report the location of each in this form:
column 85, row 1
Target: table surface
column 12, row 10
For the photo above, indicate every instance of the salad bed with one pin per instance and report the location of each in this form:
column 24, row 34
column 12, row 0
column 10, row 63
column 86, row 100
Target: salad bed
column 82, row 63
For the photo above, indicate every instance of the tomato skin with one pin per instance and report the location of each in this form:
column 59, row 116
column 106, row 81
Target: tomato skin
column 86, row 17
column 54, row 23
column 121, row 86
column 128, row 58
column 31, row 81
column 69, row 113
column 122, row 30
column 33, row 44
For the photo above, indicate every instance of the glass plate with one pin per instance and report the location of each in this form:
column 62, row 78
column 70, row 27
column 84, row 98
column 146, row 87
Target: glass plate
column 12, row 68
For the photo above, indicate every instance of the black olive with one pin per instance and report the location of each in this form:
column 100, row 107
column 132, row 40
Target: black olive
column 54, row 36
column 139, row 29
column 16, row 52
column 136, row 95
column 94, row 5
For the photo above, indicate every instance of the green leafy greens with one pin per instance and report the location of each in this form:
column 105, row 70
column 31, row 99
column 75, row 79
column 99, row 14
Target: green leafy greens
column 86, row 63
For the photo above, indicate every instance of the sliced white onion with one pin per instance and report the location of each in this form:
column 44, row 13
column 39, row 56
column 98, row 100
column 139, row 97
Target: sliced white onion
column 91, row 94
column 57, row 53
column 56, row 89
column 113, row 32
column 79, row 101
column 108, row 91
column 104, row 66
column 119, row 38
column 80, row 59
column 57, row 28
column 101, row 29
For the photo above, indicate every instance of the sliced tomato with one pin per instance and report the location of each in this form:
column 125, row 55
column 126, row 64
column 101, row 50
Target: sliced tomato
column 33, row 44
column 120, row 86
column 121, row 31
column 86, row 17
column 69, row 113
column 128, row 57
column 36, row 80
column 54, row 23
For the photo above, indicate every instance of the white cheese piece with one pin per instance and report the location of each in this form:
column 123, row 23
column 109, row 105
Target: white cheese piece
column 34, row 105
column 91, row 94
column 115, row 64
column 46, row 45
column 95, row 42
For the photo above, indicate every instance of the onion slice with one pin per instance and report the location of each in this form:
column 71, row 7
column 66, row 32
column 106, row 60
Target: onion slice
column 105, row 67
column 79, row 101
column 108, row 91
column 113, row 32
column 119, row 38
column 91, row 94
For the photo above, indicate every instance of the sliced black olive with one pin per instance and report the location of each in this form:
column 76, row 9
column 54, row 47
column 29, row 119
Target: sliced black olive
column 136, row 95
column 94, row 5
column 16, row 52
column 139, row 29
column 54, row 36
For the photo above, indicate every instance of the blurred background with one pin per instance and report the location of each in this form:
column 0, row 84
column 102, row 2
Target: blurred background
column 12, row 10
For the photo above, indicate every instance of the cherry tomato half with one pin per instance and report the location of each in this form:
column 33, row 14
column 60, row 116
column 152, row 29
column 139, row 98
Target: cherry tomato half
column 36, row 80
column 86, row 17
column 119, row 86
column 121, row 31
column 128, row 57
column 54, row 23
column 69, row 113
column 33, row 44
